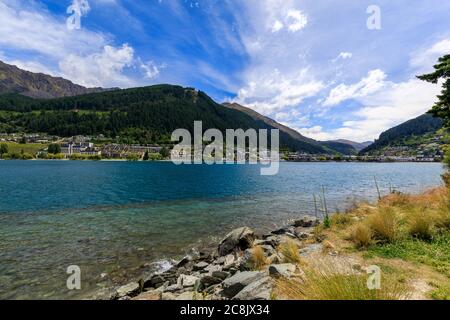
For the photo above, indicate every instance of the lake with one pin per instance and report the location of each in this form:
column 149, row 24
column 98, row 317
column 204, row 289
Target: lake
column 118, row 220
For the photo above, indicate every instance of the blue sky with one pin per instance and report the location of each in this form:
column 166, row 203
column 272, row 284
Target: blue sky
column 311, row 64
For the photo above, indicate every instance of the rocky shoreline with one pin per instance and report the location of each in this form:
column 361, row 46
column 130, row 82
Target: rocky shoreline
column 226, row 273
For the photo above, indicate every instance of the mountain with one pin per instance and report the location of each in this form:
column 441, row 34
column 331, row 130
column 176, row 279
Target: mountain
column 406, row 134
column 327, row 147
column 358, row 146
column 37, row 85
column 137, row 115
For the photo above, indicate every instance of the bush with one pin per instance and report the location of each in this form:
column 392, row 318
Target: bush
column 362, row 235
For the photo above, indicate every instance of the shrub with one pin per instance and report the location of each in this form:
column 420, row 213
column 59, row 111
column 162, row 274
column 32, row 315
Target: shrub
column 362, row 235
column 341, row 219
column 385, row 224
column 290, row 252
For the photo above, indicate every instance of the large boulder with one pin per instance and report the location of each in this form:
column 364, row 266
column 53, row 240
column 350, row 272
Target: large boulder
column 258, row 290
column 233, row 285
column 238, row 239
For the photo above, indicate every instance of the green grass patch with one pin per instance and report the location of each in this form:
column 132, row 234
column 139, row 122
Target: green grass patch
column 31, row 148
column 435, row 253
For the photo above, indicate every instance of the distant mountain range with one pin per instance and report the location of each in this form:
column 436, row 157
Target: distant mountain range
column 38, row 85
column 150, row 114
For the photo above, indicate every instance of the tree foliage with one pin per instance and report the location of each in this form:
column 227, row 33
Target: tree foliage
column 442, row 72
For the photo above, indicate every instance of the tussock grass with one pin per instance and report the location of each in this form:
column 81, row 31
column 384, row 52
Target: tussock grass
column 385, row 224
column 259, row 259
column 290, row 252
column 341, row 220
column 361, row 235
column 326, row 284
column 420, row 225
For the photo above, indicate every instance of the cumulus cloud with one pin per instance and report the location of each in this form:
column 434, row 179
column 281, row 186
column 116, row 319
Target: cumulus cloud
column 99, row 69
column 275, row 91
column 374, row 81
column 423, row 60
column 296, row 20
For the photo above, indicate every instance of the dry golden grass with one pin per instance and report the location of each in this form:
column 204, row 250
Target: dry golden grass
column 259, row 259
column 385, row 224
column 341, row 219
column 361, row 235
column 290, row 252
column 326, row 284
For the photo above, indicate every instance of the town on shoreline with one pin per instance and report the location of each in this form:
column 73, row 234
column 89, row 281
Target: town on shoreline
column 46, row 147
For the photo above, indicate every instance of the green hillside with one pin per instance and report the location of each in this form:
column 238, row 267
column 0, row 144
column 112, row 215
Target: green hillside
column 138, row 115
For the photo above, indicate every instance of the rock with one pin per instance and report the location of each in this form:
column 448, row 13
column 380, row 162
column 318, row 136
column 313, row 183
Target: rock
column 168, row 296
column 258, row 290
column 154, row 281
column 187, row 281
column 282, row 270
column 131, row 289
column 283, row 231
column 183, row 262
column 238, row 239
column 185, row 296
column 273, row 259
column 301, row 234
column 149, row 295
column 306, row 222
column 268, row 250
column 246, row 261
column 212, row 268
column 239, row 281
column 220, row 274
column 208, row 281
column 200, row 266
column 174, row 288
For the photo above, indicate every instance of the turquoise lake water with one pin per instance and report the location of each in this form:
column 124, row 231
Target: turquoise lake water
column 120, row 218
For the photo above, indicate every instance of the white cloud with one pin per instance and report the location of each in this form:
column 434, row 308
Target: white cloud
column 277, row 26
column 275, row 91
column 344, row 56
column 424, row 59
column 374, row 81
column 99, row 69
column 151, row 70
column 296, row 20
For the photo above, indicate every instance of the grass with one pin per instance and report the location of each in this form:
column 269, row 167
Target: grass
column 435, row 253
column 290, row 252
column 259, row 260
column 385, row 224
column 326, row 284
column 31, row 148
column 362, row 236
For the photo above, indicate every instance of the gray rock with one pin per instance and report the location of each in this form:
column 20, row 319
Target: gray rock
column 208, row 281
column 183, row 262
column 174, row 288
column 259, row 290
column 238, row 239
column 200, row 266
column 283, row 231
column 132, row 289
column 239, row 281
column 186, row 281
column 282, row 270
column 315, row 247
column 306, row 222
column 220, row 274
column 211, row 268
